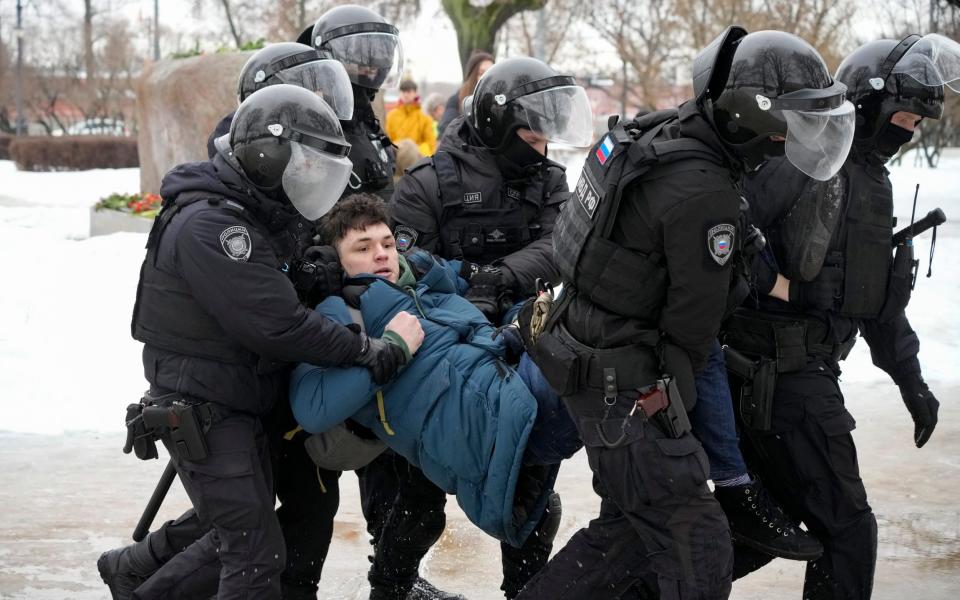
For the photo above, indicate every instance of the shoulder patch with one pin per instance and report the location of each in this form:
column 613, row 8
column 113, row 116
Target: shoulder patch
column 406, row 237
column 720, row 240
column 236, row 243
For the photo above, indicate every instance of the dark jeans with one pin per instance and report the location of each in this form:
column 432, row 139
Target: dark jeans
column 808, row 461
column 659, row 530
column 713, row 420
column 232, row 492
column 407, row 521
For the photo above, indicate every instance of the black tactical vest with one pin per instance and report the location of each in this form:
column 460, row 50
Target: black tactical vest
column 615, row 278
column 167, row 316
column 482, row 235
column 373, row 158
column 866, row 233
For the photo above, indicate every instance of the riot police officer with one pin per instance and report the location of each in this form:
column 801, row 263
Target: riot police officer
column 489, row 197
column 300, row 65
column 832, row 274
column 221, row 321
column 370, row 50
column 646, row 248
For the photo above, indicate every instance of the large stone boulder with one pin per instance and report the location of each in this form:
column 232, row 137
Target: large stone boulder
column 179, row 102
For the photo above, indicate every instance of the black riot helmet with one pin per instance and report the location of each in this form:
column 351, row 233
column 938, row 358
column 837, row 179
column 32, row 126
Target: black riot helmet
column 287, row 139
column 300, row 65
column 526, row 93
column 886, row 76
column 756, row 86
column 362, row 41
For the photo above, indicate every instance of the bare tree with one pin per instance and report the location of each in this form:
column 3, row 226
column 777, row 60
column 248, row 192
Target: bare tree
column 645, row 35
column 552, row 33
column 477, row 22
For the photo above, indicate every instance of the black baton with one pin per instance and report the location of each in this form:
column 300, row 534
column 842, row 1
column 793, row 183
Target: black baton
column 153, row 506
column 934, row 218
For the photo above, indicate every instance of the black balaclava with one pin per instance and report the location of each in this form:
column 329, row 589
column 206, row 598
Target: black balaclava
column 518, row 158
column 889, row 141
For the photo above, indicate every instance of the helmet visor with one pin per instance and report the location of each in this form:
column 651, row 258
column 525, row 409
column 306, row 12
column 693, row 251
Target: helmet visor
column 328, row 79
column 818, row 141
column 560, row 114
column 933, row 61
column 372, row 59
column 314, row 180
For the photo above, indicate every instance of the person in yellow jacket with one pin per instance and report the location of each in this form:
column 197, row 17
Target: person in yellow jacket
column 407, row 121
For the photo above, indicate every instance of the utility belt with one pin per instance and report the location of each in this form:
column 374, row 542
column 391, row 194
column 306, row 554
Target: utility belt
column 758, row 347
column 570, row 366
column 181, row 422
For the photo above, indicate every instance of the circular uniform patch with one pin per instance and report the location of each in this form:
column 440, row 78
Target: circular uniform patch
column 236, row 243
column 720, row 242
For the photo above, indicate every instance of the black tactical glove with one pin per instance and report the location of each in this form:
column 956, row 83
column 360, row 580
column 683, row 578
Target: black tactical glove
column 923, row 407
column 318, row 275
column 490, row 288
column 822, row 293
column 383, row 357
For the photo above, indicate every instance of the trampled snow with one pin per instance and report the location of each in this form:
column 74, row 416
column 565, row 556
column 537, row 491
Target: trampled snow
column 68, row 367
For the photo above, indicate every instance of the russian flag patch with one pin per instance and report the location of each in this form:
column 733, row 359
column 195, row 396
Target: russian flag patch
column 606, row 147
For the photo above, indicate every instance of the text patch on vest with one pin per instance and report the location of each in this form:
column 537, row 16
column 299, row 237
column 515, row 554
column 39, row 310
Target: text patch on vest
column 587, row 194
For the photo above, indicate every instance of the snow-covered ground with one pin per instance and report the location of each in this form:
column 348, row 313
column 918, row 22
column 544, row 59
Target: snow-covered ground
column 68, row 368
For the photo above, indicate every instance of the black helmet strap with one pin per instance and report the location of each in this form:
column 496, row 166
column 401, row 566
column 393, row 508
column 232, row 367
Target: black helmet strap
column 896, row 54
column 326, row 36
column 289, row 62
column 538, row 86
column 319, row 143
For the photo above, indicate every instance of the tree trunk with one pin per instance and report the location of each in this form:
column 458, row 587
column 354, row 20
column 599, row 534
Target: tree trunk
column 88, row 40
column 477, row 27
column 233, row 28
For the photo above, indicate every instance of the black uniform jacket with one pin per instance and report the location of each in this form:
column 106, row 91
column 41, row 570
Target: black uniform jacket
column 241, row 285
column 417, row 204
column 678, row 211
column 773, row 191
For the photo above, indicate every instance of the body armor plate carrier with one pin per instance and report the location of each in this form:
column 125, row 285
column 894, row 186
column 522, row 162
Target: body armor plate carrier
column 615, row 278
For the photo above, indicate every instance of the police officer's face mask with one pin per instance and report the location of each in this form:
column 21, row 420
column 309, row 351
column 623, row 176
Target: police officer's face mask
column 890, row 139
column 314, row 180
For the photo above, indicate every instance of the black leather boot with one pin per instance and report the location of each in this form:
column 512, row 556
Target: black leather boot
column 758, row 521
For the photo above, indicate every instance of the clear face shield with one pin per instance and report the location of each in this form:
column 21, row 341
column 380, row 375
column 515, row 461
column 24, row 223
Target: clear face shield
column 818, row 141
column 372, row 59
column 934, row 60
column 314, row 179
column 328, row 79
column 560, row 114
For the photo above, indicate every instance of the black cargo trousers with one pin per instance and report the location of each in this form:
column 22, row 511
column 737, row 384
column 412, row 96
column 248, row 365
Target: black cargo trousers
column 660, row 533
column 808, row 461
column 405, row 517
column 232, row 494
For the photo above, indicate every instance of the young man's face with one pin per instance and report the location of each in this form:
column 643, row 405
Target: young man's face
column 371, row 250
column 408, row 96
